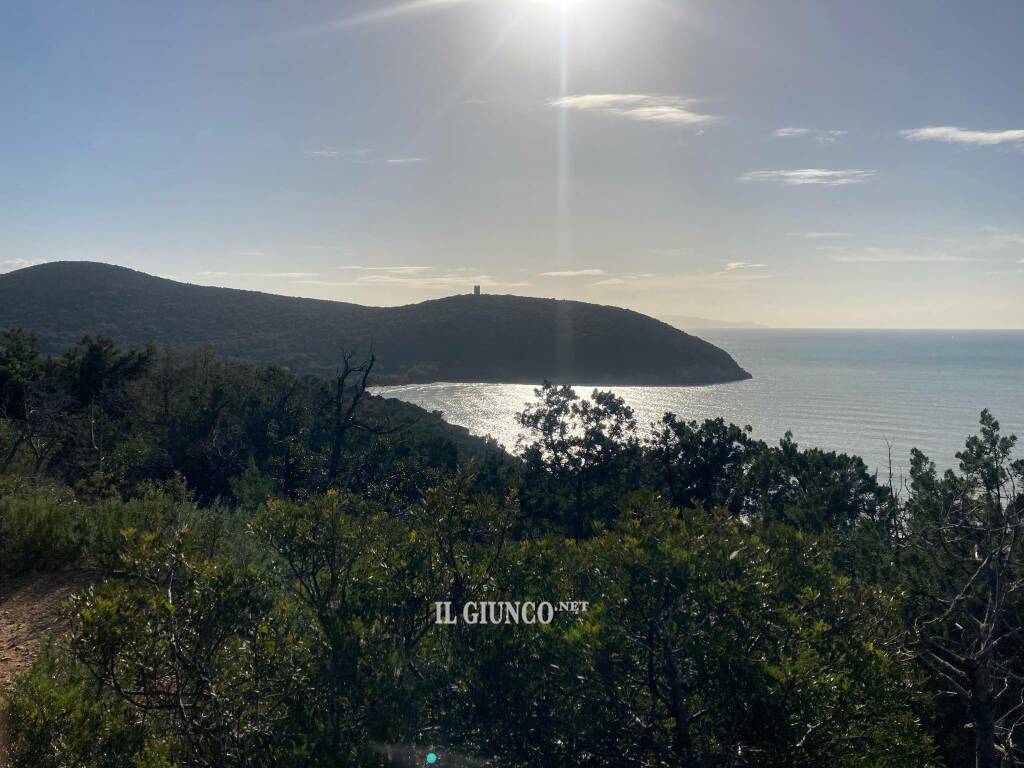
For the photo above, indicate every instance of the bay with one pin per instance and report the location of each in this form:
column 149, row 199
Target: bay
column 851, row 391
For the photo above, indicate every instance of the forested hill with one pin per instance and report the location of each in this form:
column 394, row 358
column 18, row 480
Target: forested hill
column 486, row 338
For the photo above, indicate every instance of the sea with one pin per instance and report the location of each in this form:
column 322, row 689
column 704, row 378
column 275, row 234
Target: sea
column 877, row 394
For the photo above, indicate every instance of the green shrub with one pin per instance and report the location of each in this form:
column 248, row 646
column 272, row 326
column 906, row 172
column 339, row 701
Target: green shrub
column 59, row 716
column 45, row 528
column 40, row 527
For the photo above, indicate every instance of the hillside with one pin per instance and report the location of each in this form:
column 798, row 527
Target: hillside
column 484, row 338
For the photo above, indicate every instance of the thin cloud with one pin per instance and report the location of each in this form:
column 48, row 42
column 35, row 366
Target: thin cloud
column 742, row 271
column 643, row 107
column 875, row 255
column 253, row 275
column 1002, row 239
column 364, row 157
column 394, row 12
column 953, row 135
column 623, row 278
column 989, row 245
column 12, row 264
column 734, row 265
column 818, row 235
column 575, row 273
column 423, row 282
column 820, row 136
column 397, row 270
column 698, row 283
column 819, row 176
column 742, row 275
column 678, row 252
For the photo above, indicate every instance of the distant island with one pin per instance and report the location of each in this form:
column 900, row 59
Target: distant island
column 466, row 338
column 687, row 323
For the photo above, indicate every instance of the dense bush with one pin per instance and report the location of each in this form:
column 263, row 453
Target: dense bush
column 706, row 641
column 45, row 527
column 40, row 527
column 59, row 715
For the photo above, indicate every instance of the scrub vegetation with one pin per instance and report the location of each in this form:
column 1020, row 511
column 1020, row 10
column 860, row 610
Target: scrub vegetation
column 269, row 548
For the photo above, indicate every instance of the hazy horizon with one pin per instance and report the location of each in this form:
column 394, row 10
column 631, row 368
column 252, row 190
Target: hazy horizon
column 826, row 165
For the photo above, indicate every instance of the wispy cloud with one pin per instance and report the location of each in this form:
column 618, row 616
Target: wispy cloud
column 820, row 136
column 953, row 135
column 623, row 278
column 676, row 252
column 12, row 264
column 364, row 157
column 392, row 12
column 644, row 107
column 575, row 273
column 1001, row 238
column 876, row 255
column 396, row 270
column 255, row 275
column 989, row 239
column 449, row 281
column 819, row 176
column 989, row 245
column 818, row 235
column 732, row 273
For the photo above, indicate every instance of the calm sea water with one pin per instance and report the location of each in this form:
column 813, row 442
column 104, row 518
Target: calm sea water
column 849, row 391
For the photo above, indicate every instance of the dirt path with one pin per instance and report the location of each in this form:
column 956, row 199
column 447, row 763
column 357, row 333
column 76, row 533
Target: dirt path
column 30, row 612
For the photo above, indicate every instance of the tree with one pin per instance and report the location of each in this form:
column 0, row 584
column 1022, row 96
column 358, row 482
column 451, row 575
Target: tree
column 703, row 463
column 20, row 366
column 707, row 641
column 368, row 583
column 344, row 416
column 583, row 456
column 94, row 375
column 744, row 647
column 964, row 575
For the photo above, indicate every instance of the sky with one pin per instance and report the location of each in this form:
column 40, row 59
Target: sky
column 796, row 164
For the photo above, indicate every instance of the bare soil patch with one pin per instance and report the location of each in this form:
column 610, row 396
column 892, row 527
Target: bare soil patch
column 30, row 612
